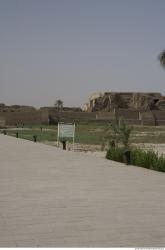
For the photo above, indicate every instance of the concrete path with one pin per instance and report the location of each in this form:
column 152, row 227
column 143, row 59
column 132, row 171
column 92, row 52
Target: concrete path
column 52, row 198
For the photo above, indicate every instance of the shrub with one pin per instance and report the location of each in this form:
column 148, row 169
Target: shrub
column 115, row 154
column 120, row 132
column 117, row 133
column 146, row 159
column 124, row 133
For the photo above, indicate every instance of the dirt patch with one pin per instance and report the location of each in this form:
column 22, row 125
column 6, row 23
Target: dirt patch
column 97, row 151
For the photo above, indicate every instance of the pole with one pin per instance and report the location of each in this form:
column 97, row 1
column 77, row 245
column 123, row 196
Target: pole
column 73, row 136
column 58, row 135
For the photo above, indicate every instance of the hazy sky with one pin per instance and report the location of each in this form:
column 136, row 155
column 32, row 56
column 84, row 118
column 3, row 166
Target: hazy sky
column 68, row 49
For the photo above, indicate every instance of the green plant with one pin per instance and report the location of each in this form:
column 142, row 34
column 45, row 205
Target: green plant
column 115, row 154
column 117, row 132
column 124, row 132
column 111, row 134
column 148, row 159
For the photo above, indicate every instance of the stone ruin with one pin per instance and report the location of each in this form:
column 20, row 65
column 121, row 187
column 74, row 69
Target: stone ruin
column 16, row 108
column 109, row 101
column 2, row 122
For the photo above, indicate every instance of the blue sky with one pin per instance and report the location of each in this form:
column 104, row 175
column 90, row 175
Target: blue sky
column 69, row 49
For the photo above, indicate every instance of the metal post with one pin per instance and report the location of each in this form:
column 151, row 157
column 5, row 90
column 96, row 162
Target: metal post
column 127, row 157
column 64, row 145
column 34, row 138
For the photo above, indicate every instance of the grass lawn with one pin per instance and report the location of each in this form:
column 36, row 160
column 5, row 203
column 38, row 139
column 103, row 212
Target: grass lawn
column 91, row 133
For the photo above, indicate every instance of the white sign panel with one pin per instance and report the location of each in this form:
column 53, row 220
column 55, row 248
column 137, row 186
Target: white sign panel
column 66, row 130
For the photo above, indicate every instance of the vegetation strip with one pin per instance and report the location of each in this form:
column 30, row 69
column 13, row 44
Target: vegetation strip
column 138, row 157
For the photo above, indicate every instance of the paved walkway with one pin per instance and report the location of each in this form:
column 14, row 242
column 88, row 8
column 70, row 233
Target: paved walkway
column 53, row 198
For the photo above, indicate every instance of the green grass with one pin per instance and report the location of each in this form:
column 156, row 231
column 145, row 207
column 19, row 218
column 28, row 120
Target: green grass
column 41, row 136
column 92, row 133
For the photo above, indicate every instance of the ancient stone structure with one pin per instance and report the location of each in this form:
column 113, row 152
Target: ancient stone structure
column 15, row 108
column 125, row 100
column 27, row 118
column 135, row 108
column 2, row 122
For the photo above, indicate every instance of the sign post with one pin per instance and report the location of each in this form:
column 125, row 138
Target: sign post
column 66, row 131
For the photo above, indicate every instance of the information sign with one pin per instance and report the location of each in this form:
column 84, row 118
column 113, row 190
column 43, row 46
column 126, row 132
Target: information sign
column 66, row 131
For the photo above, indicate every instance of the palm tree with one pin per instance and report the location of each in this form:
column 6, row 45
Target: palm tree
column 59, row 104
column 162, row 58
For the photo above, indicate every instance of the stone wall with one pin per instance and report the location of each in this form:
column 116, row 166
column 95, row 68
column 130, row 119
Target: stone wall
column 154, row 117
column 159, row 116
column 29, row 118
column 131, row 116
column 2, row 122
column 105, row 116
column 147, row 118
column 71, row 116
column 126, row 100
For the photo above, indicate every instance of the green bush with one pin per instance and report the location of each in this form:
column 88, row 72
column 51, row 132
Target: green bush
column 115, row 154
column 118, row 132
column 124, row 133
column 146, row 159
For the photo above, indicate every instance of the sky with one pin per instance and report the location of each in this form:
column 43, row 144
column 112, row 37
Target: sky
column 70, row 49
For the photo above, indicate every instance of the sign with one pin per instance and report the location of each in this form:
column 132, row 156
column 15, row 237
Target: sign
column 66, row 131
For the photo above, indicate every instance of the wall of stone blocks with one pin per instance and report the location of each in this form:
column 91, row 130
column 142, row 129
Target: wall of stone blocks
column 72, row 116
column 148, row 122
column 45, row 117
column 2, row 122
column 147, row 118
column 13, row 118
column 160, row 122
column 127, row 114
column 159, row 116
column 105, row 116
column 133, row 122
column 150, row 118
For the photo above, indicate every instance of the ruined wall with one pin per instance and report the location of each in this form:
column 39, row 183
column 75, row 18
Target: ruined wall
column 159, row 116
column 126, row 100
column 35, row 117
column 131, row 116
column 104, row 116
column 154, row 117
column 72, row 116
column 147, row 118
column 2, row 122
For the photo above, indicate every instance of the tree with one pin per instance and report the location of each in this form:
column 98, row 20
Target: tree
column 124, row 133
column 59, row 104
column 162, row 58
column 117, row 133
